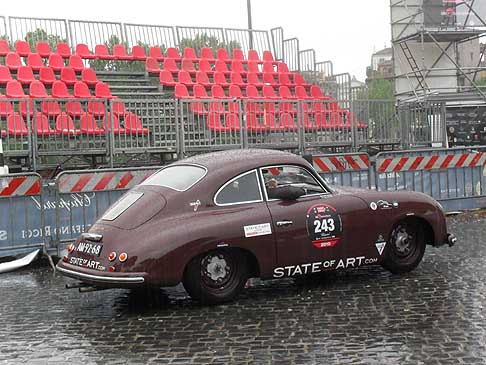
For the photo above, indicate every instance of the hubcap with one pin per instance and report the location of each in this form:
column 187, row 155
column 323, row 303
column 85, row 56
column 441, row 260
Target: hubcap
column 403, row 241
column 216, row 270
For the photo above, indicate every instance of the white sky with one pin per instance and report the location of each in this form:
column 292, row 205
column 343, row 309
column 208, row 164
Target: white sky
column 343, row 31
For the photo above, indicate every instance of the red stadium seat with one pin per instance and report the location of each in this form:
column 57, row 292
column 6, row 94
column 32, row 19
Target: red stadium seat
column 188, row 65
column 202, row 78
column 118, row 108
column 166, row 79
column 34, row 60
column 268, row 78
column 138, row 53
column 282, row 68
column 232, row 121
column 222, row 55
column 97, row 108
column 102, row 90
column 27, row 108
column 171, row 65
column 60, row 90
column 252, row 123
column 235, row 92
column 253, row 55
column 107, row 123
column 22, row 48
column 253, row 79
column 37, row 90
column 89, row 125
column 74, row 109
column 51, row 108
column 6, row 107
column 217, row 92
column 156, row 52
column 5, row 75
column 268, row 56
column 285, row 93
column 220, row 79
column 301, row 93
column 190, row 54
column 25, row 75
column 16, row 125
column 269, row 92
column 4, row 48
column 76, row 63
column 252, row 92
column 133, row 125
column 68, row 76
column 13, row 61
column 184, row 78
column 254, row 67
column 181, row 92
column 214, row 123
column 120, row 53
column 15, row 90
column 237, row 66
column 207, row 54
column 299, row 80
column 56, row 62
column 221, row 66
column 46, row 75
column 65, row 125
column 40, row 125
column 102, row 52
column 236, row 79
column 199, row 92
column 268, row 67
column 63, row 50
column 198, row 108
column 43, row 49
column 316, row 92
column 287, row 122
column 88, row 76
column 205, row 66
column 284, row 79
column 83, row 51
column 152, row 65
column 238, row 55
column 81, row 90
column 173, row 53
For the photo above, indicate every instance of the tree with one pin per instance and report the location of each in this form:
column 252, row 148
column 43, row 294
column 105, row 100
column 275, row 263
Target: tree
column 40, row 35
column 380, row 89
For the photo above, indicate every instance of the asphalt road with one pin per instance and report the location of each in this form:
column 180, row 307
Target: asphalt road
column 434, row 315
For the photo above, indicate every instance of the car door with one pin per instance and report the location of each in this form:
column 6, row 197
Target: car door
column 317, row 231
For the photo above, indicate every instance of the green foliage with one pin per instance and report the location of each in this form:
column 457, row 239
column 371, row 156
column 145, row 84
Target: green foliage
column 380, row 89
column 202, row 40
column 481, row 83
column 40, row 35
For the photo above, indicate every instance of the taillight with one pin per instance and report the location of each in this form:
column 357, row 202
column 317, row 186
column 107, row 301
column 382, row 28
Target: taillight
column 111, row 268
column 70, row 248
column 123, row 257
column 112, row 256
column 65, row 258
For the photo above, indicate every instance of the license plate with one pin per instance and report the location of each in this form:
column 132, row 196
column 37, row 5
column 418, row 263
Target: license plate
column 89, row 248
column 91, row 264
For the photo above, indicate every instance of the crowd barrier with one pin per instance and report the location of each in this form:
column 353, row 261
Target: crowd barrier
column 53, row 214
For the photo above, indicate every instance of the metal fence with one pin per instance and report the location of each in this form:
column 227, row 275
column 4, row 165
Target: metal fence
column 92, row 33
column 277, row 43
column 38, row 30
column 150, row 35
column 291, row 54
column 247, row 39
column 3, row 27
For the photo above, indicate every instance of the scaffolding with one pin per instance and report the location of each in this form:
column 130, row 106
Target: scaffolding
column 437, row 52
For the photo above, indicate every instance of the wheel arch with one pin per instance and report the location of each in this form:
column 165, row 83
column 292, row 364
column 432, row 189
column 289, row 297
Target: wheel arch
column 429, row 234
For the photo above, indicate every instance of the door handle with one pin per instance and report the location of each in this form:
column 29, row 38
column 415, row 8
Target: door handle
column 284, row 223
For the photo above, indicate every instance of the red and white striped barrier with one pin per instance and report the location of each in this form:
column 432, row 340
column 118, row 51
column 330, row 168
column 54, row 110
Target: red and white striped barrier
column 355, row 162
column 101, row 180
column 416, row 163
column 27, row 185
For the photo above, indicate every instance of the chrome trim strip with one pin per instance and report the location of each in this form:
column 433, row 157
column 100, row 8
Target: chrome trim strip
column 104, row 279
column 96, row 237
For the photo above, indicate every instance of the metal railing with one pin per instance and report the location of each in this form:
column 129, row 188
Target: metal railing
column 38, row 30
column 247, row 39
column 151, row 35
column 92, row 33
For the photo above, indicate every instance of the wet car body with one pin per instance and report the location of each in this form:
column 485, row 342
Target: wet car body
column 167, row 236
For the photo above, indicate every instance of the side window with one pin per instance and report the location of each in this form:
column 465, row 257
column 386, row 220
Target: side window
column 242, row 189
column 277, row 176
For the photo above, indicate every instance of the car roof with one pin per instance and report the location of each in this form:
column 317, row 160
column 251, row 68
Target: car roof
column 234, row 161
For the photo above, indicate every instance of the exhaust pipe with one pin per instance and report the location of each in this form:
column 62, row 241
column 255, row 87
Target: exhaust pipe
column 89, row 289
column 451, row 239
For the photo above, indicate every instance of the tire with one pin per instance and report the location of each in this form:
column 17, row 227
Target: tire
column 406, row 247
column 216, row 277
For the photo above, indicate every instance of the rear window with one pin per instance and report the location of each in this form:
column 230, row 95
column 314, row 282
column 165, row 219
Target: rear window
column 121, row 205
column 180, row 177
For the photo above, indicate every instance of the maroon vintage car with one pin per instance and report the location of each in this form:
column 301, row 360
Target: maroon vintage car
column 213, row 221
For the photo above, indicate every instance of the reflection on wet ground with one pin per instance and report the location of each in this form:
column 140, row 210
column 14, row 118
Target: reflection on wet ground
column 434, row 315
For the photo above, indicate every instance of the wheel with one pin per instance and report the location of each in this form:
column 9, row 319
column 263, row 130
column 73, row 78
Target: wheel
column 216, row 276
column 406, row 247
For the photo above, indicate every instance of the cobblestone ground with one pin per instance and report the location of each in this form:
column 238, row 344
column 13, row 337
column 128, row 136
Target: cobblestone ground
column 434, row 315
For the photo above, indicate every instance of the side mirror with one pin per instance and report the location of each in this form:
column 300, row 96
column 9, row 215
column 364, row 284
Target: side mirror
column 287, row 192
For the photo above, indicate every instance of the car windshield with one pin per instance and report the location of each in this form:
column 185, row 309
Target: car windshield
column 179, row 177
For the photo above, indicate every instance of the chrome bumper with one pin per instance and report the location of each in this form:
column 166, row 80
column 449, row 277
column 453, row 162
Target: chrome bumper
column 101, row 279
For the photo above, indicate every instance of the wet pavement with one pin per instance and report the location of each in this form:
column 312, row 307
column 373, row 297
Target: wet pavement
column 434, row 315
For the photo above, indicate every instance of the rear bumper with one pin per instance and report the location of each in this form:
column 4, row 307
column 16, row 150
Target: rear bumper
column 111, row 281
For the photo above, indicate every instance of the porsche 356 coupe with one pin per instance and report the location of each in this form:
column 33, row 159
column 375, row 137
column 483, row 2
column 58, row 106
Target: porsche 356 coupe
column 212, row 221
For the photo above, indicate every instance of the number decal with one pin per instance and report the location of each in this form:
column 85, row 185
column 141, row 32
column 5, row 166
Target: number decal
column 324, row 225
